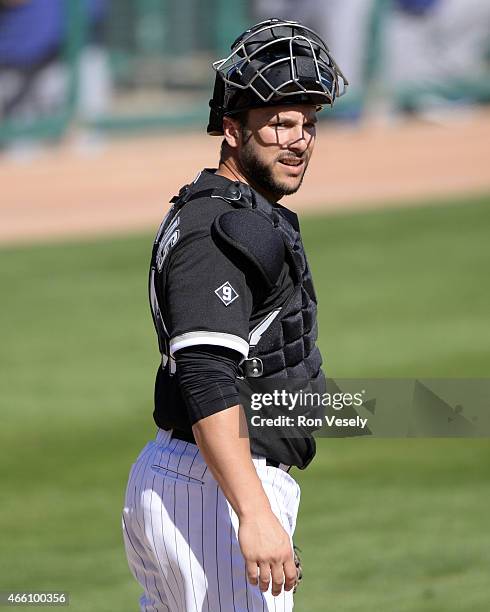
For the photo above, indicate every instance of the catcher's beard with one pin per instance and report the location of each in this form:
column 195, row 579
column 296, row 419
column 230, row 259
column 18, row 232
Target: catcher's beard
column 261, row 175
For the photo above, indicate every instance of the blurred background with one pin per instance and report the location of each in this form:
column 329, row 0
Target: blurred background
column 140, row 64
column 103, row 109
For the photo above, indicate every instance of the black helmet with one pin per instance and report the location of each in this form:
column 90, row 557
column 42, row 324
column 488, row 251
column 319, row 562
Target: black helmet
column 274, row 62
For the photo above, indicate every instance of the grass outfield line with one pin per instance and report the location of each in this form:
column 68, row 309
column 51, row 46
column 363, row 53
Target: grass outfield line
column 385, row 525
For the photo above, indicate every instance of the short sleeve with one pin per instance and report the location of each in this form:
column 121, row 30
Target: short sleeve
column 207, row 299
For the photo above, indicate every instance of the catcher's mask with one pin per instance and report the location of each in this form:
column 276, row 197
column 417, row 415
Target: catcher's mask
column 275, row 62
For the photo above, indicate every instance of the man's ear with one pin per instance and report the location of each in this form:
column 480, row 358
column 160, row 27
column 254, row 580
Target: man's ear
column 231, row 131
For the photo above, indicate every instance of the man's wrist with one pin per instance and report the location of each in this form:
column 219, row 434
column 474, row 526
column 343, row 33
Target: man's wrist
column 254, row 508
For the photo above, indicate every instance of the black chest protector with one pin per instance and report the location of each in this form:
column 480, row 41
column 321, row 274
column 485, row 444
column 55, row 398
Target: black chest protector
column 283, row 343
column 287, row 346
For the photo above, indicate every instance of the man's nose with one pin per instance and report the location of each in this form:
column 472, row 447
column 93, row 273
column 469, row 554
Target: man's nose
column 300, row 140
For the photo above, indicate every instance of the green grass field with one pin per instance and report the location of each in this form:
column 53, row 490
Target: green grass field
column 385, row 525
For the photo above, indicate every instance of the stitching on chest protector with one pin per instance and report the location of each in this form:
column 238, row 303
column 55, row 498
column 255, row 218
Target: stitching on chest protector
column 255, row 238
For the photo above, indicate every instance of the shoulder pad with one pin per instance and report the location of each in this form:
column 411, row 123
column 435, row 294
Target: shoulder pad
column 253, row 236
column 238, row 194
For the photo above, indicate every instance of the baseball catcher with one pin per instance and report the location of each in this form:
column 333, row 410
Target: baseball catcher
column 210, row 509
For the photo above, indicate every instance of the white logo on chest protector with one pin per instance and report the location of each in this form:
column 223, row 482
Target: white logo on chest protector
column 226, row 293
column 167, row 241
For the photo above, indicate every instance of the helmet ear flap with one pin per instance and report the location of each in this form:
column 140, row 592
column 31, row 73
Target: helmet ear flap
column 215, row 125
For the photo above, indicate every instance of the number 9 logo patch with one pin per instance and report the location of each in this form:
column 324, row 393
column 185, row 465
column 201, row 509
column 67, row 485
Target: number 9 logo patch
column 226, row 293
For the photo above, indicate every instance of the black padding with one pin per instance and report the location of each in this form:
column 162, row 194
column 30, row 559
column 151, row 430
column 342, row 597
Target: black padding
column 255, row 237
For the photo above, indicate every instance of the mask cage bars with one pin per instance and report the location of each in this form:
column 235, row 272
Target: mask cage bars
column 326, row 69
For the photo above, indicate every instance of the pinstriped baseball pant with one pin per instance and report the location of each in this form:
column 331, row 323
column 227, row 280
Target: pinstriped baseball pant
column 180, row 532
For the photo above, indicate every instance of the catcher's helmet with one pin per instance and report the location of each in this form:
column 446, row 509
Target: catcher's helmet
column 274, row 62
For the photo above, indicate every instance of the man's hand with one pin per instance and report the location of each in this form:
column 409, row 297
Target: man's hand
column 267, row 551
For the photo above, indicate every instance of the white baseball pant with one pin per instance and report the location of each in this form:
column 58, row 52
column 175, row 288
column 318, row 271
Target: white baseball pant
column 180, row 532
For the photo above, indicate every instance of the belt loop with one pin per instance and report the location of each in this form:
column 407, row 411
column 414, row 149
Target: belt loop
column 163, row 436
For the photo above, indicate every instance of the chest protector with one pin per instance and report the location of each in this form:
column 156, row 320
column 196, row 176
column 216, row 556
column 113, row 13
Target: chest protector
column 287, row 347
column 283, row 343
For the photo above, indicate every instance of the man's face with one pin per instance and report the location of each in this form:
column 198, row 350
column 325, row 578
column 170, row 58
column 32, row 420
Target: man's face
column 275, row 147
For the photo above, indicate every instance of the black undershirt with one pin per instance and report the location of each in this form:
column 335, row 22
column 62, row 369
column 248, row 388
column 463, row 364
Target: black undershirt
column 207, row 378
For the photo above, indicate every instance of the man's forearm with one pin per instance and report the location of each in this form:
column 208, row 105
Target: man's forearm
column 227, row 455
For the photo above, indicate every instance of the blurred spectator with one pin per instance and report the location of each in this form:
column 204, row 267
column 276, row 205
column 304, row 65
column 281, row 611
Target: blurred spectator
column 34, row 78
column 95, row 82
column 435, row 50
column 431, row 49
column 343, row 23
column 416, row 7
column 31, row 35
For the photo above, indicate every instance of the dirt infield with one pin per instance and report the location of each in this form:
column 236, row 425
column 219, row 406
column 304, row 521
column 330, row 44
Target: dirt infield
column 124, row 185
